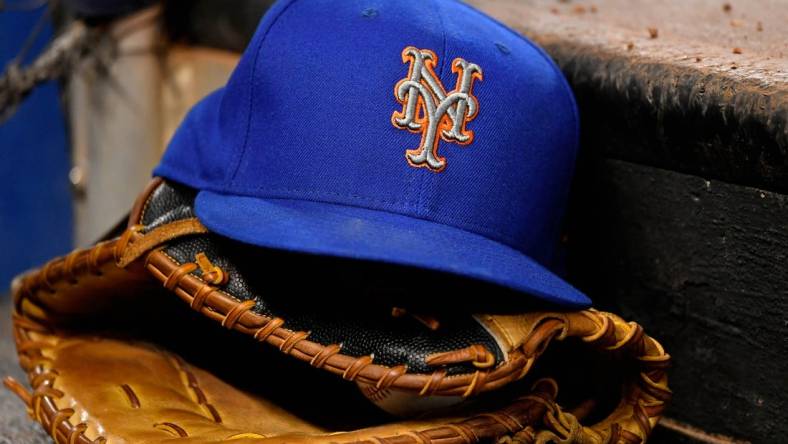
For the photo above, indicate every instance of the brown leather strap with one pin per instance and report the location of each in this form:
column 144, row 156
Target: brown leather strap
column 142, row 244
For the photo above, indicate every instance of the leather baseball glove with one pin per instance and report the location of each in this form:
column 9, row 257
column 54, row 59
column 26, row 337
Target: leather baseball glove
column 114, row 355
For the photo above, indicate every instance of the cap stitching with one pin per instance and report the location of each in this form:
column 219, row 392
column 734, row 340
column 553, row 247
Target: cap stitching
column 424, row 180
column 445, row 44
column 333, row 193
column 481, row 230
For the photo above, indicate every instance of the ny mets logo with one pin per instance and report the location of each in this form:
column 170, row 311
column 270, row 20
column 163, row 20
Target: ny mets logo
column 431, row 111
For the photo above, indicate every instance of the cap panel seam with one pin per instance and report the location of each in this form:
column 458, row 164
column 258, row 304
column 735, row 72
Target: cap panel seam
column 242, row 153
column 431, row 178
column 445, row 44
column 423, row 180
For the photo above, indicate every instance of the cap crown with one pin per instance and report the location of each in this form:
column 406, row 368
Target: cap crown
column 425, row 108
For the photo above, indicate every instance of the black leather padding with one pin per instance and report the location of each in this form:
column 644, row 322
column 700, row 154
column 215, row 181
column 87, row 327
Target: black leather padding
column 337, row 301
column 167, row 203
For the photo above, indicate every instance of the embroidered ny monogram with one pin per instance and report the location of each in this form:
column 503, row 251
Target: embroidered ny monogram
column 427, row 107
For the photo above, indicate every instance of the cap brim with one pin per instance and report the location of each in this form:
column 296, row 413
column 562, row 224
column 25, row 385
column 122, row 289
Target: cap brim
column 358, row 233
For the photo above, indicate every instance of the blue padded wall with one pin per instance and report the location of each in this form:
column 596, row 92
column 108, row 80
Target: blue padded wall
column 35, row 199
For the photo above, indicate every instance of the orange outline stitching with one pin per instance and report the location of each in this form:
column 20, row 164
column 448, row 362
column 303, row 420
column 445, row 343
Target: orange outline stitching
column 421, row 117
column 477, row 76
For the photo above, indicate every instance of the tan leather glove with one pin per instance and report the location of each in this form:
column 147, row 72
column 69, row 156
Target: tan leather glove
column 112, row 356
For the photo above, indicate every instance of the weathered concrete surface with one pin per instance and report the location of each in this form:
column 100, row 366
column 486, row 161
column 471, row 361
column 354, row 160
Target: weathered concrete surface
column 685, row 30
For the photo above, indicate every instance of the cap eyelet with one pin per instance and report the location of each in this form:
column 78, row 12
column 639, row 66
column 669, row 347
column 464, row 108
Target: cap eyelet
column 369, row 13
column 503, row 48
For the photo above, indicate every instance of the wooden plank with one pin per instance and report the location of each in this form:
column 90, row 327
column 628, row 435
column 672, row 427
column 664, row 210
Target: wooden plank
column 115, row 124
column 124, row 115
column 702, row 265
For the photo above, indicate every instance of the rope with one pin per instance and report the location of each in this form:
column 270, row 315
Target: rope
column 59, row 58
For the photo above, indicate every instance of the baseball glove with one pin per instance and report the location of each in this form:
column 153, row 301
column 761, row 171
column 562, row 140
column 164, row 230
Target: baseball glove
column 113, row 355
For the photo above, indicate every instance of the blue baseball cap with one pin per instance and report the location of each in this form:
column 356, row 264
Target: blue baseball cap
column 414, row 132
